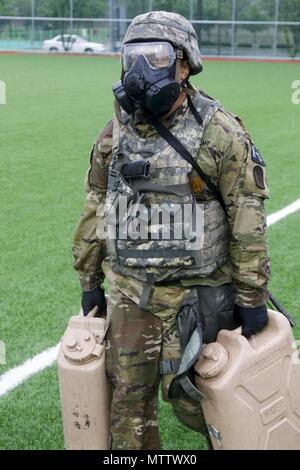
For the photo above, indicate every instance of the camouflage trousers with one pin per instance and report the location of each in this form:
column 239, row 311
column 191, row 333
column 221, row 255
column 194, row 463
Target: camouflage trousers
column 138, row 339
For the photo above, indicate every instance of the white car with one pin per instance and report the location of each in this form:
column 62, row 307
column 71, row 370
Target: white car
column 72, row 43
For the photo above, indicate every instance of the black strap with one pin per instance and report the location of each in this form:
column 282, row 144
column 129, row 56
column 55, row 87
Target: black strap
column 275, row 304
column 169, row 366
column 177, row 145
column 146, row 294
column 190, row 389
column 176, row 189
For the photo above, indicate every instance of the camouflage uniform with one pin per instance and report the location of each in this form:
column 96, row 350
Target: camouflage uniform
column 139, row 338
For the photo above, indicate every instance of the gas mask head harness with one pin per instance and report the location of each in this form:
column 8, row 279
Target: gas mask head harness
column 150, row 79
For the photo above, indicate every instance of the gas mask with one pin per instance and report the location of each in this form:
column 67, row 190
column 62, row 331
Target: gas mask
column 149, row 79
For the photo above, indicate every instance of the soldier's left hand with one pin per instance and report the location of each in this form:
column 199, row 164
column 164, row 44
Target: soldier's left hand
column 92, row 299
column 252, row 320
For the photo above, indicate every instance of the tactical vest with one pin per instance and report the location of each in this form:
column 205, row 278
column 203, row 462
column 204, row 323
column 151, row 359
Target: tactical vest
column 162, row 180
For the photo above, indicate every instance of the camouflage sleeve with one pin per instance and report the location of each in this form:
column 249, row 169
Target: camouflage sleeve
column 239, row 172
column 242, row 182
column 88, row 250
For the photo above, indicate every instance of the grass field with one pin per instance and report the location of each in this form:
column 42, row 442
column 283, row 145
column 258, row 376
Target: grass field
column 55, row 108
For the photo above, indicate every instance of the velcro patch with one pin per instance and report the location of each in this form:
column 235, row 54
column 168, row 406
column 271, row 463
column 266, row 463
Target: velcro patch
column 256, row 156
column 258, row 174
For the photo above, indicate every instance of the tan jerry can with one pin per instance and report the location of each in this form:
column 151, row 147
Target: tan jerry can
column 84, row 388
column 252, row 388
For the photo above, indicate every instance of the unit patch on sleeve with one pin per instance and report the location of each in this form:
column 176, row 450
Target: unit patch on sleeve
column 258, row 174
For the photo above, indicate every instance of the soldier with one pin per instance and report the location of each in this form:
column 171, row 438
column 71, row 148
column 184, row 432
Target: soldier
column 168, row 295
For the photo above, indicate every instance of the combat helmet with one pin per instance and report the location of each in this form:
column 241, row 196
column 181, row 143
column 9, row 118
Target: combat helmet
column 167, row 26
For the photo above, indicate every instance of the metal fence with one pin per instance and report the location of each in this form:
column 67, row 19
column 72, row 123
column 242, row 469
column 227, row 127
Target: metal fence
column 221, row 38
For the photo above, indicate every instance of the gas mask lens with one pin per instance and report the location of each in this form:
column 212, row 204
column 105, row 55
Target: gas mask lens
column 158, row 54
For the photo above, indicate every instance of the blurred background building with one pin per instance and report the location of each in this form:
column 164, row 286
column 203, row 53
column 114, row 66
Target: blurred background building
column 245, row 28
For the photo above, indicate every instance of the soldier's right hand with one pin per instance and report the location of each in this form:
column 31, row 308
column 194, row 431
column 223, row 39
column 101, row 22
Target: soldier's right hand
column 252, row 320
column 93, row 298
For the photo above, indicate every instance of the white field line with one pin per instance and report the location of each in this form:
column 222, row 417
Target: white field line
column 17, row 375
column 290, row 209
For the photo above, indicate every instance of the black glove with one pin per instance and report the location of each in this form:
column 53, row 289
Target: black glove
column 91, row 299
column 252, row 320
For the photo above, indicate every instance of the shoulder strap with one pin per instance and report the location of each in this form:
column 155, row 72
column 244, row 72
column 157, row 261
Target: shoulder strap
column 182, row 150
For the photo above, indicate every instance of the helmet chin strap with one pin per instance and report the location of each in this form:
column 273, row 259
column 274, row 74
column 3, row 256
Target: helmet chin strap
column 179, row 57
column 183, row 83
column 188, row 88
column 118, row 111
column 178, row 71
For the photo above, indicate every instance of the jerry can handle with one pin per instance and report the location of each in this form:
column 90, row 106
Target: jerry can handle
column 92, row 312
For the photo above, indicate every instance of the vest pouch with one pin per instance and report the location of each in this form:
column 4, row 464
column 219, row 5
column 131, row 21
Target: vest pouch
column 136, row 169
column 174, row 244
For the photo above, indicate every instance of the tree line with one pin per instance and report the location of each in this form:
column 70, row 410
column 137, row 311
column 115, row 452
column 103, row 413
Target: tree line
column 256, row 10
column 250, row 10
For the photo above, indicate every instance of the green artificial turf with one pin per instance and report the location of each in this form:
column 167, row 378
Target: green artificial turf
column 56, row 106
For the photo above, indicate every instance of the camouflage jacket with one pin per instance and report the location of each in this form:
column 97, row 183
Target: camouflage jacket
column 231, row 161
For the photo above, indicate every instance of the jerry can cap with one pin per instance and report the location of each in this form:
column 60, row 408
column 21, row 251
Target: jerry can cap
column 80, row 346
column 213, row 361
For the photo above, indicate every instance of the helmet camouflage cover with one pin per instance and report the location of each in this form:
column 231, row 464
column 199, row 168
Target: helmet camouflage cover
column 167, row 26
